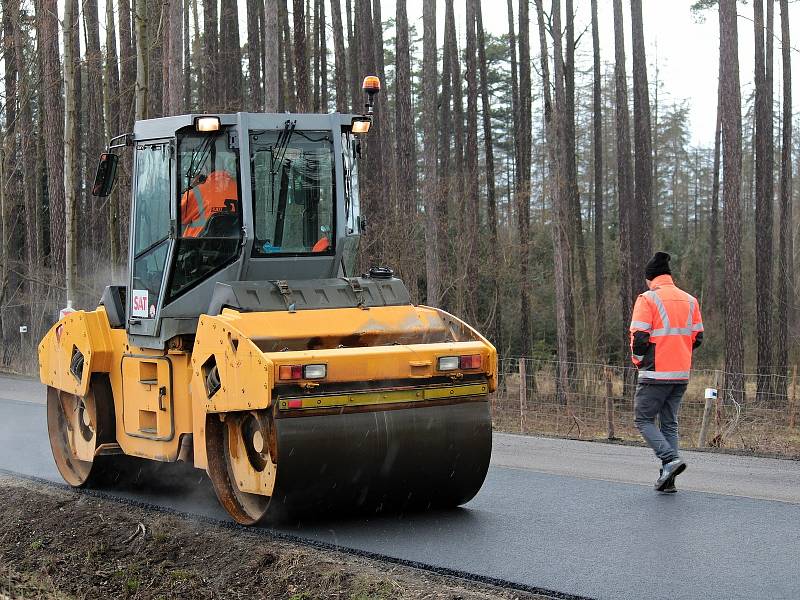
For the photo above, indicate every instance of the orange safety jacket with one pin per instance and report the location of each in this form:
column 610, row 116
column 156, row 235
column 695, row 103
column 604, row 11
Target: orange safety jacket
column 665, row 327
column 202, row 201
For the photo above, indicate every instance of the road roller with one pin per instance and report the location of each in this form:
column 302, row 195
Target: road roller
column 245, row 342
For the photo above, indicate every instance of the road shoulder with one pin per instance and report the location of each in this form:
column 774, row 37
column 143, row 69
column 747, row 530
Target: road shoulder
column 59, row 544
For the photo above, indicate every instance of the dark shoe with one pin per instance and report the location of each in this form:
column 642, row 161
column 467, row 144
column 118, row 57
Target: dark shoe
column 671, row 489
column 668, row 473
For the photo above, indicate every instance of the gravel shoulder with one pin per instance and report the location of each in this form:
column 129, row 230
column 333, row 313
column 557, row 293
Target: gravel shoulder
column 58, row 544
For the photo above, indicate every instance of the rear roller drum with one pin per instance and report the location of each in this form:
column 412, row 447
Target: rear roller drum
column 77, row 426
column 240, row 465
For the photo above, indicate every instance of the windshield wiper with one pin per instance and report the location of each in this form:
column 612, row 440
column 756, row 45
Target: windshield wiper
column 200, row 155
column 281, row 145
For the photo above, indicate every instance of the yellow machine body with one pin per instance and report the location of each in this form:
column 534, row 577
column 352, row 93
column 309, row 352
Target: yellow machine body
column 161, row 401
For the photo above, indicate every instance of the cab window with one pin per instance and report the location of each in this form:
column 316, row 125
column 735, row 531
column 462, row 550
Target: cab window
column 209, row 209
column 151, row 227
column 293, row 192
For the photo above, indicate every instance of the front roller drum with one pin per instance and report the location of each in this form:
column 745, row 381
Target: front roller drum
column 410, row 458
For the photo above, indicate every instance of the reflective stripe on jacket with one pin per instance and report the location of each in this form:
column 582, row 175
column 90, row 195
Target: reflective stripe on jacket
column 205, row 199
column 665, row 327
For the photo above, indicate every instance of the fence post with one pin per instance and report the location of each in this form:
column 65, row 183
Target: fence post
column 704, row 425
column 718, row 404
column 611, row 434
column 793, row 397
column 523, row 394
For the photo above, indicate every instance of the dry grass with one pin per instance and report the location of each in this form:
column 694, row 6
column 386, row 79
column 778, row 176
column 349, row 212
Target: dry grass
column 769, row 424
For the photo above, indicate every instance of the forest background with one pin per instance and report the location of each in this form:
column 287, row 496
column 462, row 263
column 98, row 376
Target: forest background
column 518, row 178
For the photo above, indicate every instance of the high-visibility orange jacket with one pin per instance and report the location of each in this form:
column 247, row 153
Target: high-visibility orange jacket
column 665, row 327
column 205, row 199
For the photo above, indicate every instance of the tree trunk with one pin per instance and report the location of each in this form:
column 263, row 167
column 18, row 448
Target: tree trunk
column 127, row 68
column 597, row 150
column 142, row 61
column 254, row 56
column 712, row 270
column 288, row 53
column 271, row 56
column 404, row 121
column 210, row 98
column 641, row 245
column 577, row 248
column 111, row 97
column 175, row 85
column 352, row 57
column 495, row 315
column 47, row 37
column 70, row 152
column 157, row 34
column 763, row 189
column 558, row 184
column 471, row 198
column 231, row 57
column 445, row 176
column 323, row 50
column 785, row 295
column 524, row 174
column 512, row 48
column 187, row 56
column 301, row 58
column 430, row 189
column 731, row 197
column 339, row 55
column 624, row 180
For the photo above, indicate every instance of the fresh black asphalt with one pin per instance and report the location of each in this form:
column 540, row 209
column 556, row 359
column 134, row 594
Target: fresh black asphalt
column 587, row 537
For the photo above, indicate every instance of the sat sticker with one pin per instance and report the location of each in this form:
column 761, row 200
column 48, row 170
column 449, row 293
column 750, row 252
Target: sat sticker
column 140, row 303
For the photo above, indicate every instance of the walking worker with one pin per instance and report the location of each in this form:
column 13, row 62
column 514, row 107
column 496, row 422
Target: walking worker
column 666, row 327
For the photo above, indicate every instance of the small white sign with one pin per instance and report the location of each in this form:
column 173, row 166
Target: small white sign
column 139, row 306
column 23, row 329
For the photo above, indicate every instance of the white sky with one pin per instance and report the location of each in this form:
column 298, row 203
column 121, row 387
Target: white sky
column 686, row 51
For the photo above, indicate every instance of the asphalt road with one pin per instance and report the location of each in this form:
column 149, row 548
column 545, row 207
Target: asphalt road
column 573, row 517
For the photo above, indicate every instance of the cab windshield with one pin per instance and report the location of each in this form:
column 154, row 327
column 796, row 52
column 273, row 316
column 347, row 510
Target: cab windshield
column 292, row 179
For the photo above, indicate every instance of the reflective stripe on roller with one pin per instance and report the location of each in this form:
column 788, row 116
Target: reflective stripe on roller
column 382, row 397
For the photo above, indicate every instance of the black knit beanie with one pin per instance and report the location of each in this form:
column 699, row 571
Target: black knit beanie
column 658, row 265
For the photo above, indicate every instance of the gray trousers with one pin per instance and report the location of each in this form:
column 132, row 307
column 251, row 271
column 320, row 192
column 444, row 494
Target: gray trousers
column 663, row 401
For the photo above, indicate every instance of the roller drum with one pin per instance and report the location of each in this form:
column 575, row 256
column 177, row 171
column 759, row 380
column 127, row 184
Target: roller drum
column 404, row 458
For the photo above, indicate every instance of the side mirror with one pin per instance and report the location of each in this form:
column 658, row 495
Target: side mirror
column 106, row 173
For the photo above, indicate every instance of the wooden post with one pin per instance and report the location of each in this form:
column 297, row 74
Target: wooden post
column 703, row 441
column 718, row 406
column 611, row 434
column 793, row 397
column 704, row 425
column 523, row 394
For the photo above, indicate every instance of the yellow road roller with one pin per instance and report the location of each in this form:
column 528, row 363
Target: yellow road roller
column 245, row 343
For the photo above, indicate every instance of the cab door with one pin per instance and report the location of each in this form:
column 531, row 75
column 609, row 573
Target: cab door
column 151, row 234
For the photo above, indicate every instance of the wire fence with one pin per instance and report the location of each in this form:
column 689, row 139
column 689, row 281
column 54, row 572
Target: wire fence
column 755, row 413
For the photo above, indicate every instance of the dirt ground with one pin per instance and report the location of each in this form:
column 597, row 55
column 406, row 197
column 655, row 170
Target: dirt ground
column 57, row 544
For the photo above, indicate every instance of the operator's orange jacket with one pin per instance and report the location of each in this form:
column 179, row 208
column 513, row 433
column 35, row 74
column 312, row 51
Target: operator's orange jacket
column 205, row 199
column 665, row 327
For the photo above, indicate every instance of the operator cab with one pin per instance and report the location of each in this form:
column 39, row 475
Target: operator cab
column 238, row 197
